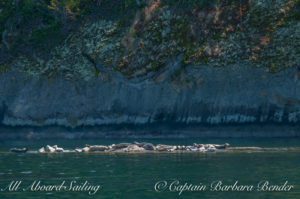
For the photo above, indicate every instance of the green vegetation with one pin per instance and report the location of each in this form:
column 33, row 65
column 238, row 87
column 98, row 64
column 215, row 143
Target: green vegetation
column 69, row 37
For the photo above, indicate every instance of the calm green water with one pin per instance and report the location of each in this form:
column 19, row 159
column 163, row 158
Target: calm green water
column 134, row 176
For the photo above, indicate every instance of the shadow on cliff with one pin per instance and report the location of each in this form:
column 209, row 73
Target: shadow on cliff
column 3, row 109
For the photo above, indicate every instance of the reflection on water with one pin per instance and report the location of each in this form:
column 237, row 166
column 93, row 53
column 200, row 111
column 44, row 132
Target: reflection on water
column 26, row 172
column 134, row 175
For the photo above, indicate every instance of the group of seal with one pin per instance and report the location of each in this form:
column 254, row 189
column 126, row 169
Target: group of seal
column 132, row 147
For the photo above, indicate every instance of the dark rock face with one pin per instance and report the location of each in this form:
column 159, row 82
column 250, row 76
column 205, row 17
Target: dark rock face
column 209, row 95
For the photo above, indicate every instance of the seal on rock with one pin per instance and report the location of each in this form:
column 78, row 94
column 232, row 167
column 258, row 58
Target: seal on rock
column 19, row 150
column 222, row 146
column 95, row 148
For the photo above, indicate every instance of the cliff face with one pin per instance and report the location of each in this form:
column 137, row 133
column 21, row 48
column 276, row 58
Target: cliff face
column 136, row 37
column 198, row 95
